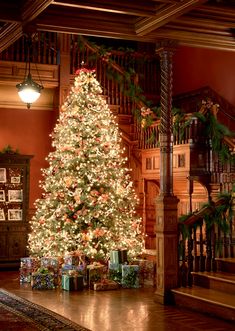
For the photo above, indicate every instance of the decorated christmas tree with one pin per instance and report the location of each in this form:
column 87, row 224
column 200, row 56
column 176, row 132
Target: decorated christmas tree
column 88, row 202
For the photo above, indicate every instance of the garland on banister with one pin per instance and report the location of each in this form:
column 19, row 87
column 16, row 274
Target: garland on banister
column 220, row 213
column 146, row 114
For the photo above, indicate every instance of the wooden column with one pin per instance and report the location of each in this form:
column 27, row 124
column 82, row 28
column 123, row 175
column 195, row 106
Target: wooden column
column 64, row 80
column 166, row 203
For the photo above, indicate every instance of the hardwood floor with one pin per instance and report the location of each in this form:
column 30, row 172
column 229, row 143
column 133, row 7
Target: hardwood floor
column 118, row 310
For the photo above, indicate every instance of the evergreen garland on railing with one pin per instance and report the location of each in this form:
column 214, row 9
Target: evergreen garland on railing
column 220, row 214
column 146, row 114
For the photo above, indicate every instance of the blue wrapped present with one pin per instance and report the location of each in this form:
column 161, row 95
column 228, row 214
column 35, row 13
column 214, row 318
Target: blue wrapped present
column 51, row 263
column 42, row 279
column 25, row 275
column 31, row 263
column 74, row 259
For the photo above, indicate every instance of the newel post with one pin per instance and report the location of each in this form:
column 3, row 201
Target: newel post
column 166, row 202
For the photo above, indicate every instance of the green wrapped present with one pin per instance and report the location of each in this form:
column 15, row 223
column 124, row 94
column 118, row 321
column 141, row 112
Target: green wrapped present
column 130, row 276
column 118, row 256
column 115, row 272
column 72, row 282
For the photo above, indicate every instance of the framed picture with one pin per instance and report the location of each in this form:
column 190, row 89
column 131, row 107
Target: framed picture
column 15, row 180
column 14, row 214
column 2, row 195
column 2, row 215
column 3, row 175
column 15, row 195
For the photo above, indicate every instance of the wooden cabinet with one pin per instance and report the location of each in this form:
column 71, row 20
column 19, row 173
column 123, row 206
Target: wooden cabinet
column 14, row 205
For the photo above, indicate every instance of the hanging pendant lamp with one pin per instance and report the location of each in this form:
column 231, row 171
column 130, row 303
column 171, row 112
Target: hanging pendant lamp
column 29, row 91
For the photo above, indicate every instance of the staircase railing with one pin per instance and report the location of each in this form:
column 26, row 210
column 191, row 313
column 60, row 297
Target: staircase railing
column 202, row 239
column 116, row 85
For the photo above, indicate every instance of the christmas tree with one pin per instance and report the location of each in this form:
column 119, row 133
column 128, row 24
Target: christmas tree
column 88, row 202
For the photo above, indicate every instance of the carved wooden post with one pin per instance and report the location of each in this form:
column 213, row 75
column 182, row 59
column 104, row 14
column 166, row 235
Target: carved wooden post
column 166, row 203
column 64, row 46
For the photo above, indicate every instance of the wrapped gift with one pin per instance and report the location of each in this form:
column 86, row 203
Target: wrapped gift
column 43, row 279
column 31, row 263
column 95, row 272
column 115, row 272
column 147, row 272
column 130, row 276
column 50, row 263
column 71, row 259
column 118, row 256
column 72, row 282
column 81, row 268
column 25, row 275
column 105, row 285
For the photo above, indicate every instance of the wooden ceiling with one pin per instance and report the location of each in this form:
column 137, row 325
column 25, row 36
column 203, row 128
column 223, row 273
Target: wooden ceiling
column 196, row 23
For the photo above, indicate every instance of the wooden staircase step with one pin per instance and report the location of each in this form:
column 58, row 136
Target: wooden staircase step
column 216, row 303
column 220, row 281
column 226, row 264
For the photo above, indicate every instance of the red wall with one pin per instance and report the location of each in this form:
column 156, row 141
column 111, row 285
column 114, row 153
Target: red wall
column 194, row 68
column 28, row 131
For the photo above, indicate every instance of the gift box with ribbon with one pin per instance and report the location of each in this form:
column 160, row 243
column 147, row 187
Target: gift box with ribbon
column 130, row 276
column 25, row 275
column 30, row 263
column 42, row 279
column 72, row 281
column 118, row 256
column 105, row 285
column 95, row 272
column 147, row 272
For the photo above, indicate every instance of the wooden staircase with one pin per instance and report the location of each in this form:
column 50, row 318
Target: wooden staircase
column 212, row 292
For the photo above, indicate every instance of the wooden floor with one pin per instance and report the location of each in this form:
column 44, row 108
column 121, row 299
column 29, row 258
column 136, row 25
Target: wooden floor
column 118, row 310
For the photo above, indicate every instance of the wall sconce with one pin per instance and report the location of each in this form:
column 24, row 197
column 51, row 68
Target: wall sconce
column 29, row 91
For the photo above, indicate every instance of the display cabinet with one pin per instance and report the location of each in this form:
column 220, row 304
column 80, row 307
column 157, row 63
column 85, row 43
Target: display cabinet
column 14, row 205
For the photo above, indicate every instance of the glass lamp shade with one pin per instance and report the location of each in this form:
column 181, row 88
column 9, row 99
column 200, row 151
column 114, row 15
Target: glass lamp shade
column 29, row 91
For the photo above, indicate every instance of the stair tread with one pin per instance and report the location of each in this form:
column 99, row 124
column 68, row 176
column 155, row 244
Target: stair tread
column 210, row 295
column 226, row 259
column 219, row 275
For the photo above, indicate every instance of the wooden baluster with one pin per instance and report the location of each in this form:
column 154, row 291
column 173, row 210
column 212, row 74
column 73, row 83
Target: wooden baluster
column 213, row 243
column 183, row 269
column 219, row 242
column 231, row 239
column 195, row 258
column 201, row 244
column 208, row 250
column 190, row 258
column 225, row 246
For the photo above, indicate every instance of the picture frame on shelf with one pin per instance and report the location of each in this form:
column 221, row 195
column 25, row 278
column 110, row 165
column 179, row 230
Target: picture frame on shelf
column 2, row 196
column 15, row 180
column 15, row 195
column 3, row 175
column 15, row 214
column 2, row 215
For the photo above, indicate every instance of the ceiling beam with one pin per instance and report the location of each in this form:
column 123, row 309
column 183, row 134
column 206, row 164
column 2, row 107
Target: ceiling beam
column 127, row 8
column 9, row 34
column 13, row 31
column 32, row 8
column 165, row 15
